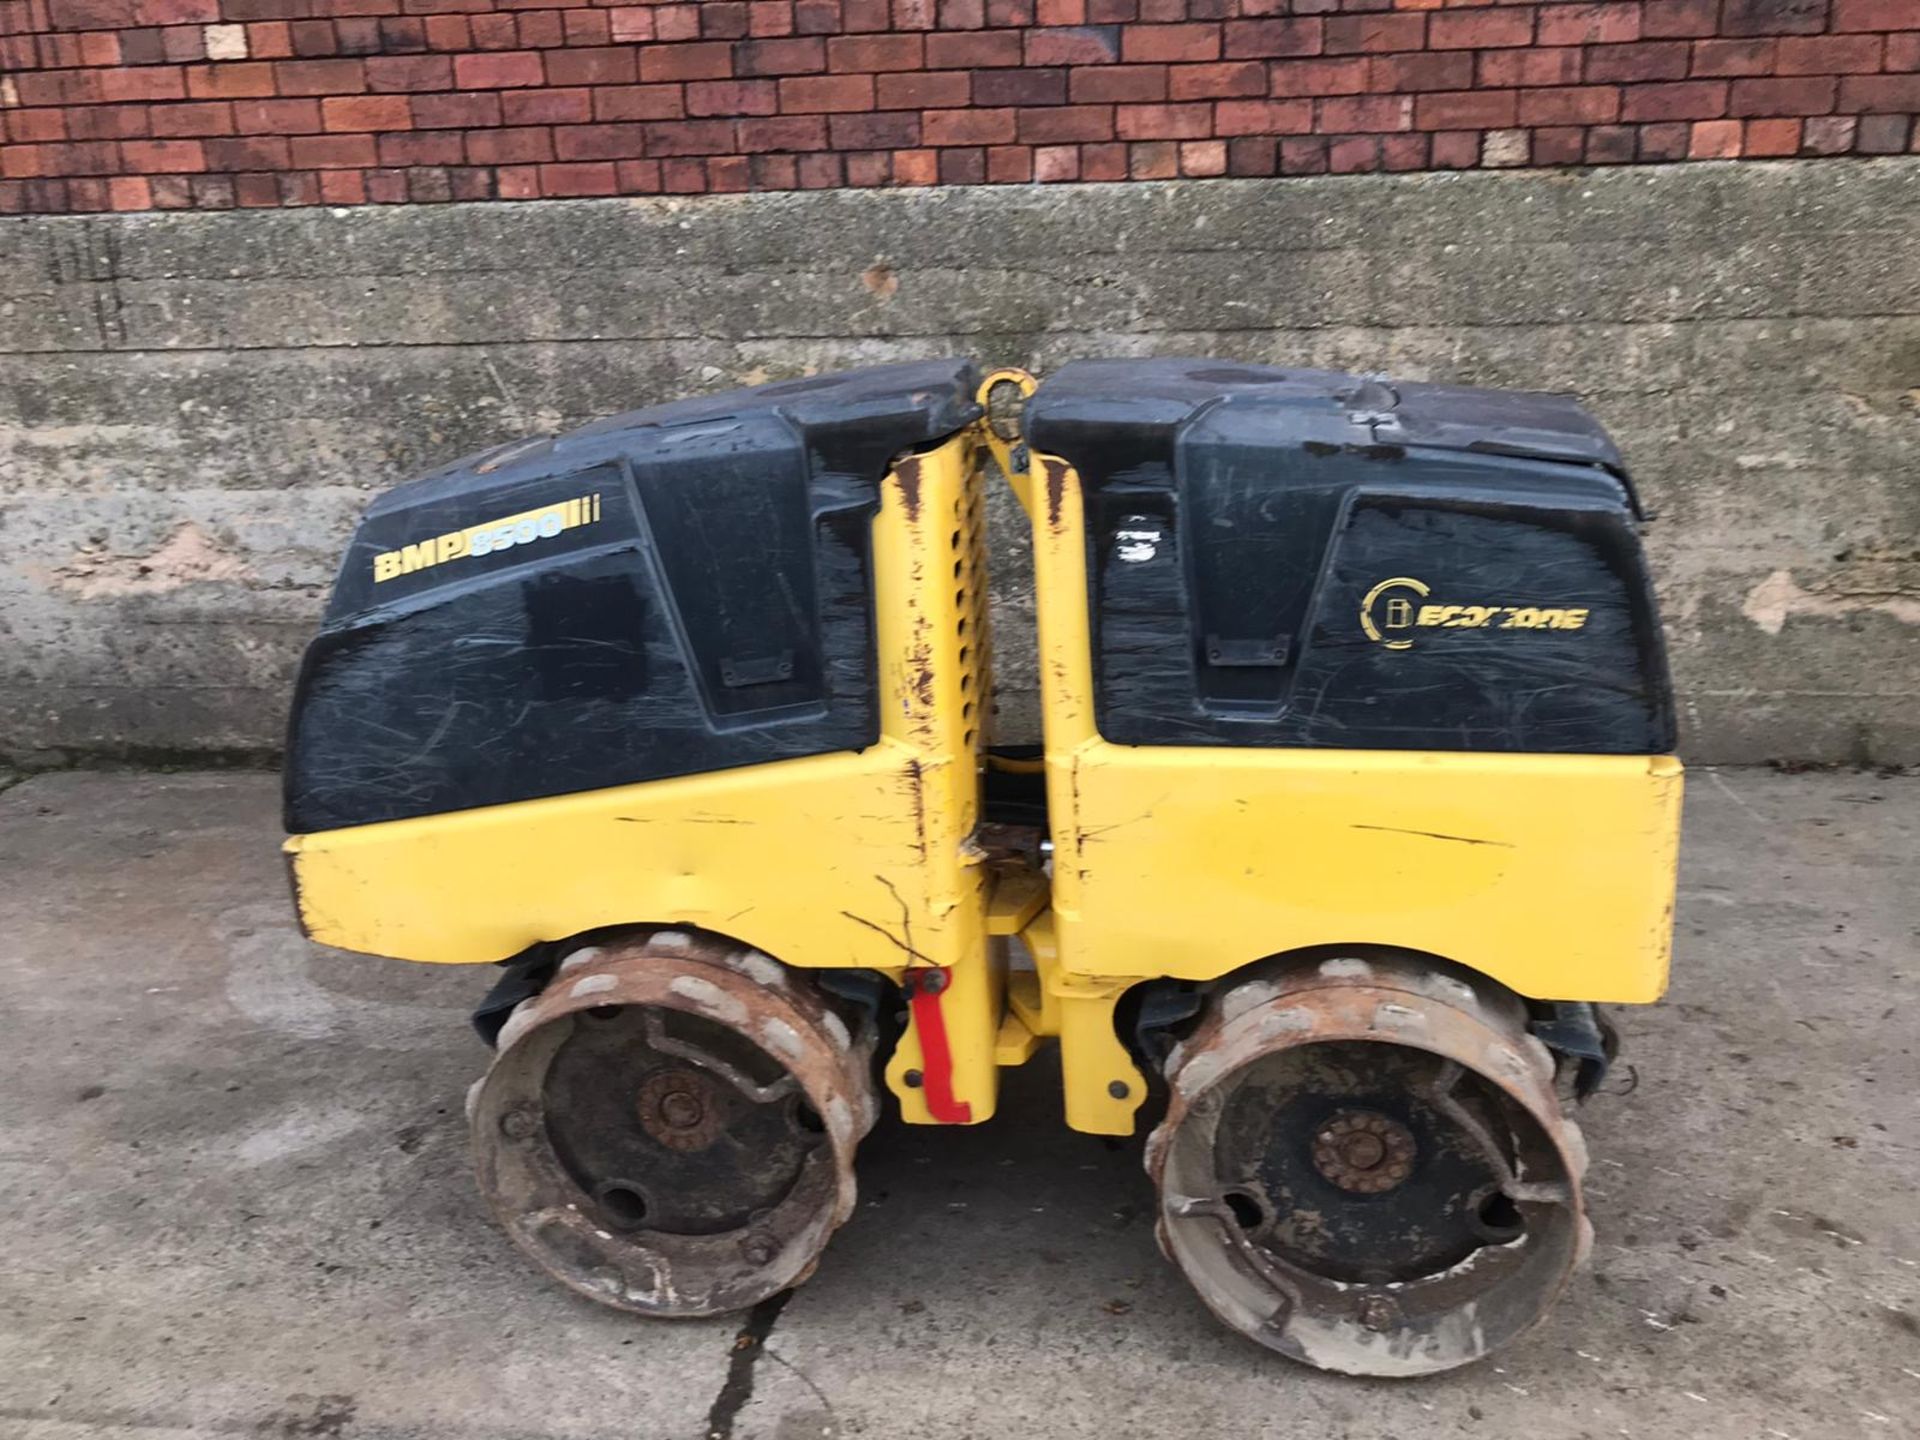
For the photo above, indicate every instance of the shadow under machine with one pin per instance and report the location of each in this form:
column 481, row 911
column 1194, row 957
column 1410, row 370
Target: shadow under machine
column 1356, row 801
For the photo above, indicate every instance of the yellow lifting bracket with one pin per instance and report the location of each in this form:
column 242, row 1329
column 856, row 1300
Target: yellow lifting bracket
column 1003, row 395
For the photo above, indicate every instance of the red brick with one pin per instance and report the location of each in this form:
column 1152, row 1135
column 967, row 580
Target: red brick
column 1438, row 70
column 1466, row 110
column 494, row 32
column 1880, row 94
column 129, row 192
column 1772, row 138
column 157, row 157
column 879, row 130
column 690, row 137
column 1365, row 114
column 819, row 172
column 256, row 192
column 785, row 132
column 805, row 55
column 1903, row 52
column 312, row 38
column 815, row 17
column 454, row 111
column 1104, row 162
column 1025, row 86
column 1482, row 30
column 1641, row 60
column 676, row 22
column 1883, row 134
column 732, row 97
column 319, row 77
column 875, row 52
column 1230, row 79
column 1203, row 158
column 963, row 167
column 1828, row 135
column 1774, row 17
column 182, row 43
column 1873, row 15
column 517, row 182
column 769, row 172
column 1715, row 140
column 1304, row 155
column 1456, row 149
column 1253, row 156
column 628, row 23
column 1734, row 57
column 1678, row 100
column 723, row 20
column 770, row 17
column 1680, row 18
column 575, row 142
column 561, row 181
column 639, row 102
column 1570, row 105
column 215, row 192
column 248, row 152
column 973, row 50
column 1353, row 155
column 1349, row 34
column 248, row 79
column 913, row 167
column 209, row 117
column 109, row 14
column 1064, row 124
column 420, row 147
column 133, row 86
column 1608, row 22
column 448, row 32
column 407, row 73
column 1153, row 162
column 1832, row 54
column 1164, row 122
column 545, row 107
column 1075, row 45
column 504, row 70
column 276, row 117
column 1263, row 117
column 1055, row 163
column 1535, row 68
column 1558, row 145
column 1122, row 84
column 923, row 90
column 1321, row 77
column 1260, row 38
column 1800, row 95
column 595, row 65
column 517, row 145
column 1009, row 164
column 968, row 127
column 812, row 94
column 1060, row 12
column 366, row 112
column 332, row 152
column 30, row 127
column 1664, row 141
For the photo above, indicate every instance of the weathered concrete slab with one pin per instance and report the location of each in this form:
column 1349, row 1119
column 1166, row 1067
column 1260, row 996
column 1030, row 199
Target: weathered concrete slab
column 194, row 406
column 234, row 1197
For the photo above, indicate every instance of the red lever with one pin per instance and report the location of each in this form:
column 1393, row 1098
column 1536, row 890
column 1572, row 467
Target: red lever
column 924, row 988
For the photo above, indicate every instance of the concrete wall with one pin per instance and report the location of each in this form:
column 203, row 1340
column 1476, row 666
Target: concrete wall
column 194, row 406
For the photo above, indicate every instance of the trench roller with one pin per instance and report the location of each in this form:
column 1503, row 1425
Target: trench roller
column 1354, row 804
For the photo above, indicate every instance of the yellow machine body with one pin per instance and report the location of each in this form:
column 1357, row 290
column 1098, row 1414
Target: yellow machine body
column 1550, row 874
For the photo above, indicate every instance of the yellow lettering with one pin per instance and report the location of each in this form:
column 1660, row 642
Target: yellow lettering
column 386, row 566
column 416, row 557
column 452, row 544
column 1430, row 614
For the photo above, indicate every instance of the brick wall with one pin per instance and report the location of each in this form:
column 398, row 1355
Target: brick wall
column 138, row 104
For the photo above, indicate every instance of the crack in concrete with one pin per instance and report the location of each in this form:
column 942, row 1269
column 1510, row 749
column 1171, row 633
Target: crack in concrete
column 748, row 1344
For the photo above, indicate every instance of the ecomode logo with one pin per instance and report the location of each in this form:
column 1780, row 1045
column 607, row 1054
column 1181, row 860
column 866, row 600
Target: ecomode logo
column 1395, row 612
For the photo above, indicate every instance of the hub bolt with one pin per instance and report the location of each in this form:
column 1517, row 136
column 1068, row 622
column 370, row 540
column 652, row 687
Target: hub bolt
column 1364, row 1152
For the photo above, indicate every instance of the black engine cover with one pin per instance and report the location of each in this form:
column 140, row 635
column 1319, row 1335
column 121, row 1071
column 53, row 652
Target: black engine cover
column 674, row 590
column 1301, row 558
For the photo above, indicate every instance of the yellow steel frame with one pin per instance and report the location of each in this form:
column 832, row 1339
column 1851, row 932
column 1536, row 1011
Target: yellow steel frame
column 1553, row 874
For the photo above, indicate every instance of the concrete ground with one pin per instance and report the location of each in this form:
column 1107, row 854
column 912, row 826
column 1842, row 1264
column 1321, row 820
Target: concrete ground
column 234, row 1197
